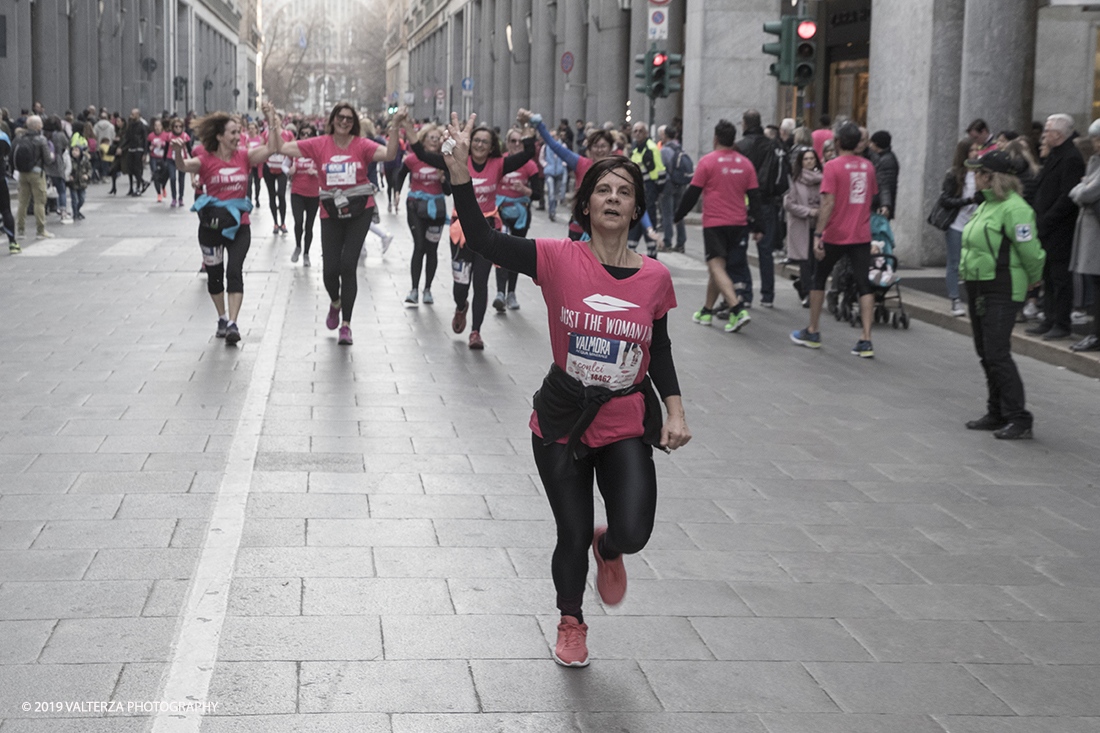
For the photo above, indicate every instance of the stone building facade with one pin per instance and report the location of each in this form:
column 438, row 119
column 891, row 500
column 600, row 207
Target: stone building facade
column 156, row 55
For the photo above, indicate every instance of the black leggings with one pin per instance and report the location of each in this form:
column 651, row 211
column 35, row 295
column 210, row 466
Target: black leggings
column 233, row 254
column 627, row 480
column 394, row 183
column 341, row 245
column 479, row 278
column 9, row 220
column 426, row 234
column 300, row 205
column 276, row 194
column 507, row 279
column 254, row 180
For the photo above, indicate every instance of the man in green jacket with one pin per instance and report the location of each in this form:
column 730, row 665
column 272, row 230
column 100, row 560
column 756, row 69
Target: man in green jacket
column 1001, row 258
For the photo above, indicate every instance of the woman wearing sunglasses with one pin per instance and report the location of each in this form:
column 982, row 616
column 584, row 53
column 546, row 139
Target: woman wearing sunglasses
column 347, row 201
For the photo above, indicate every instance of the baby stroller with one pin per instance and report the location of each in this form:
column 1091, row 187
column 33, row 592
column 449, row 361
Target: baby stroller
column 885, row 282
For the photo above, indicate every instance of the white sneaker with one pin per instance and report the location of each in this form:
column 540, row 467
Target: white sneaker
column 386, row 242
column 1031, row 311
column 1078, row 318
column 46, row 235
column 957, row 308
column 428, row 299
column 66, row 219
column 413, row 297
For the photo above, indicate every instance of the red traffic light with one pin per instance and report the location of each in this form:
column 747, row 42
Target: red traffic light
column 660, row 59
column 807, row 29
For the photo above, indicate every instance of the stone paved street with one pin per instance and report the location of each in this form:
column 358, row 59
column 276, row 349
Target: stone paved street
column 328, row 539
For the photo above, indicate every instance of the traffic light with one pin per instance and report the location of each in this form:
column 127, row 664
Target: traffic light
column 643, row 73
column 392, row 109
column 780, row 49
column 675, row 72
column 805, row 55
column 658, row 85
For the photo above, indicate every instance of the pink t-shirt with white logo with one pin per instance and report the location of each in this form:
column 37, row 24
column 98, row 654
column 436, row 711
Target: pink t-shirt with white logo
column 601, row 329
column 423, row 177
column 486, row 182
column 509, row 183
column 158, row 144
column 226, row 180
column 306, row 180
column 278, row 163
column 725, row 177
column 341, row 168
column 851, row 179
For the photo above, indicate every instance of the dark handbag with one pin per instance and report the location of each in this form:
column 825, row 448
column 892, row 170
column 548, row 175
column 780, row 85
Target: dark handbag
column 942, row 216
column 216, row 218
column 349, row 207
column 161, row 176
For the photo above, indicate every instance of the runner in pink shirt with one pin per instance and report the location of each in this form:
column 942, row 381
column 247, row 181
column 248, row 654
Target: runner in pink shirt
column 514, row 203
column 305, row 198
column 275, row 176
column 249, row 140
column 347, row 201
column 224, row 233
column 844, row 230
column 488, row 167
column 426, row 212
column 176, row 177
column 596, row 413
column 158, row 156
column 725, row 179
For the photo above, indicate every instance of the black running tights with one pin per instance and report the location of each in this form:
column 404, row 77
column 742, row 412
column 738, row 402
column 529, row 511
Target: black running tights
column 507, row 279
column 425, row 234
column 479, row 278
column 231, row 268
column 276, row 194
column 341, row 245
column 304, row 209
column 627, row 480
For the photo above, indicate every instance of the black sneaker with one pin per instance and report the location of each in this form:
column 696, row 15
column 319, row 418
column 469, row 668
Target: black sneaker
column 986, row 422
column 223, row 324
column 1041, row 329
column 232, row 334
column 1088, row 343
column 1013, row 431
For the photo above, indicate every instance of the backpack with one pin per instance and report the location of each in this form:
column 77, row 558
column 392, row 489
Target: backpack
column 681, row 169
column 774, row 175
column 22, row 155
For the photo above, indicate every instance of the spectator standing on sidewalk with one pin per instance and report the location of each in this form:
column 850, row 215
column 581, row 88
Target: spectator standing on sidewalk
column 769, row 159
column 979, row 133
column 79, row 179
column 58, row 168
column 680, row 169
column 1056, row 215
column 134, row 144
column 844, row 230
column 958, row 194
column 5, row 197
column 802, row 203
column 1001, row 256
column 31, row 162
column 886, row 173
column 1085, row 259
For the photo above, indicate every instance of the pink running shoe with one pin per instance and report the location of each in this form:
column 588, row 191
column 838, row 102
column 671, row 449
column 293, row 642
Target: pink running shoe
column 571, row 651
column 345, row 336
column 610, row 574
column 333, row 319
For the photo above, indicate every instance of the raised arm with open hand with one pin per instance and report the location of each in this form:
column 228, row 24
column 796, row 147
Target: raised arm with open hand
column 456, row 148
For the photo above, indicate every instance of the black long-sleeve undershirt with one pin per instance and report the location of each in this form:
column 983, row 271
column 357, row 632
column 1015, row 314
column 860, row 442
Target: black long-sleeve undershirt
column 521, row 255
column 512, row 162
column 691, row 197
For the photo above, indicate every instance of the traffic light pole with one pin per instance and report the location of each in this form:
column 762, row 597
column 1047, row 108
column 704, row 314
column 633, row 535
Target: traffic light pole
column 652, row 100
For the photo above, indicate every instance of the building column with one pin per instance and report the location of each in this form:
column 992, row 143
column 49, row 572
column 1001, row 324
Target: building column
column 47, row 44
column 502, row 67
column 521, row 57
column 572, row 38
column 998, row 63
column 608, row 49
column 724, row 71
column 83, row 66
column 484, row 87
column 543, row 62
column 917, row 102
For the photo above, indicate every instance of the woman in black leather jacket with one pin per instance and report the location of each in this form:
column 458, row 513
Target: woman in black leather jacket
column 958, row 195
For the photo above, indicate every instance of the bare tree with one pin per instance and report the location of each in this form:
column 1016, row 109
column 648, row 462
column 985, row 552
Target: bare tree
column 367, row 54
column 286, row 60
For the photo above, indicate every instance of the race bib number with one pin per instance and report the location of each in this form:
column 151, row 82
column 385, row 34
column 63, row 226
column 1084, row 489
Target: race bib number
column 597, row 361
column 858, row 191
column 340, row 174
column 462, row 271
column 276, row 161
column 212, row 256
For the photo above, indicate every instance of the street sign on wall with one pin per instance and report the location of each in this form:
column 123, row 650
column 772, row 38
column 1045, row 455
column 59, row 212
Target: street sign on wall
column 567, row 62
column 658, row 20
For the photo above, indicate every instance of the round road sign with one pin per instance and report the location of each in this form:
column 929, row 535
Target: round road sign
column 567, row 62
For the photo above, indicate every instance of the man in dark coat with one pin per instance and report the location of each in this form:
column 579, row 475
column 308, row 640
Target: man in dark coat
column 134, row 145
column 886, row 173
column 756, row 146
column 1056, row 217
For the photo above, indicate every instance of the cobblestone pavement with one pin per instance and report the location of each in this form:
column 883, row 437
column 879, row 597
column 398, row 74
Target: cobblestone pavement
column 320, row 538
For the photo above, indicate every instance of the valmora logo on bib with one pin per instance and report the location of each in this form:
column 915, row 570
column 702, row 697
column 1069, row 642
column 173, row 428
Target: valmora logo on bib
column 607, row 303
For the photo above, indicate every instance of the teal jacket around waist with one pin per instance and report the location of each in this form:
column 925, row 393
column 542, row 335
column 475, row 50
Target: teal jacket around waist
column 1001, row 239
column 236, row 207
